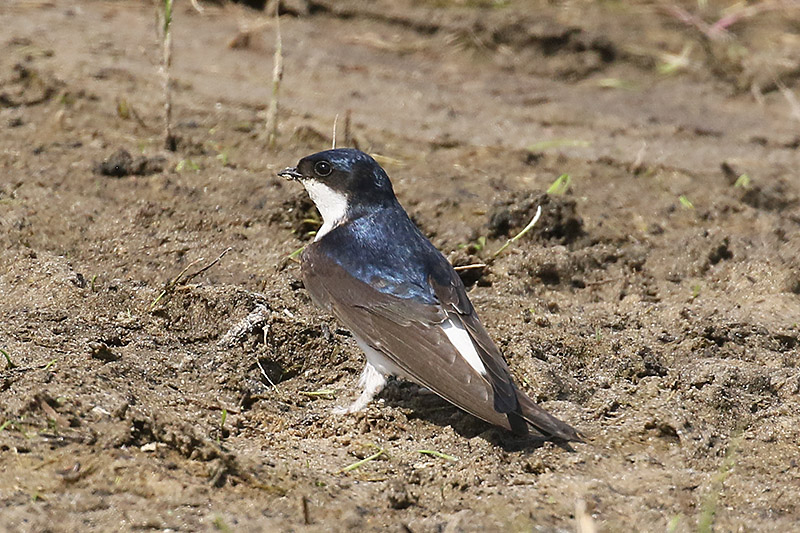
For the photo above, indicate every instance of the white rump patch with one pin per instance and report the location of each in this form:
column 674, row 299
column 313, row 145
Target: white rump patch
column 462, row 342
column 332, row 205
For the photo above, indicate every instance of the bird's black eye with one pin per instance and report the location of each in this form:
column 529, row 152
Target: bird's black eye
column 322, row 168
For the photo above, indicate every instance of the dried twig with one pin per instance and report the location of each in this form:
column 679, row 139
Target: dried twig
column 178, row 279
column 473, row 266
column 277, row 76
column 170, row 142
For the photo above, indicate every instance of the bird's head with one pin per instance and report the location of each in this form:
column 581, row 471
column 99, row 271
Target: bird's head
column 343, row 183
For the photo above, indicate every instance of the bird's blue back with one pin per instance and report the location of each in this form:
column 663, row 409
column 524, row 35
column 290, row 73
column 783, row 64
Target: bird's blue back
column 386, row 250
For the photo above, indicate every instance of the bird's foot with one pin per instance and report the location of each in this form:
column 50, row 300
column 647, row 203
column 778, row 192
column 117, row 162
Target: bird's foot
column 373, row 383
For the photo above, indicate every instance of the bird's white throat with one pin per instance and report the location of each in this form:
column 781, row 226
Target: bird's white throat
column 332, row 205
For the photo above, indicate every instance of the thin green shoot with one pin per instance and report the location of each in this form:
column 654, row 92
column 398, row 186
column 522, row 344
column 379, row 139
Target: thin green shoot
column 5, row 424
column 326, row 393
column 50, row 364
column 185, row 164
column 560, row 185
column 440, row 455
column 519, row 235
column 357, row 464
column 672, row 63
column 696, row 288
column 685, row 202
column 9, row 363
column 123, row 109
column 91, row 283
column 478, row 245
column 742, row 182
column 558, row 143
column 167, row 15
column 222, row 157
column 222, row 424
column 705, row 523
column 616, row 83
column 293, row 256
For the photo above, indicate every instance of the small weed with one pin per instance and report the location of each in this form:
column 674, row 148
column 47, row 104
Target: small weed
column 476, row 246
column 672, row 63
column 222, row 424
column 293, row 256
column 696, row 291
column 685, row 202
column 742, row 182
column 673, row 524
column 123, row 109
column 50, row 364
column 220, row 525
column 440, row 455
column 519, row 235
column 185, row 164
column 9, row 363
column 705, row 523
column 5, row 424
column 357, row 464
column 561, row 185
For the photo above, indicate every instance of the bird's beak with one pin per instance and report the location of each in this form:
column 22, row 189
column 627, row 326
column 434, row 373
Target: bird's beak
column 290, row 173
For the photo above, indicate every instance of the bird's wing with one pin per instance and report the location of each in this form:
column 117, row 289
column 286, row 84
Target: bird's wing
column 413, row 335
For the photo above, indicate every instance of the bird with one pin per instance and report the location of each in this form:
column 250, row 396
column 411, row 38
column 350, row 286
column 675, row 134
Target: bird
column 407, row 308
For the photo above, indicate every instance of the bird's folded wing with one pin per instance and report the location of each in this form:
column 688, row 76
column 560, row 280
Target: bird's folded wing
column 409, row 333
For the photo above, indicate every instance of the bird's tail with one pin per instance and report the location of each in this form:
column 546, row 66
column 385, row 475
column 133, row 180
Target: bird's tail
column 542, row 421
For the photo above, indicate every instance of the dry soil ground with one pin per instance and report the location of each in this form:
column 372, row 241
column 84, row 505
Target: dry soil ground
column 655, row 306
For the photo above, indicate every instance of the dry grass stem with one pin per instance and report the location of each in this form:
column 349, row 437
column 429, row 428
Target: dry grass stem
column 277, row 76
column 170, row 143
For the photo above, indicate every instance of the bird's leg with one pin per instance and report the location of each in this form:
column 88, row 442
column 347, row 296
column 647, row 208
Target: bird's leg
column 373, row 382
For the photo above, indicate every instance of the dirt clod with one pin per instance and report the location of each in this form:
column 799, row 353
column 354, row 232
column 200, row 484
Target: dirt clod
column 121, row 163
